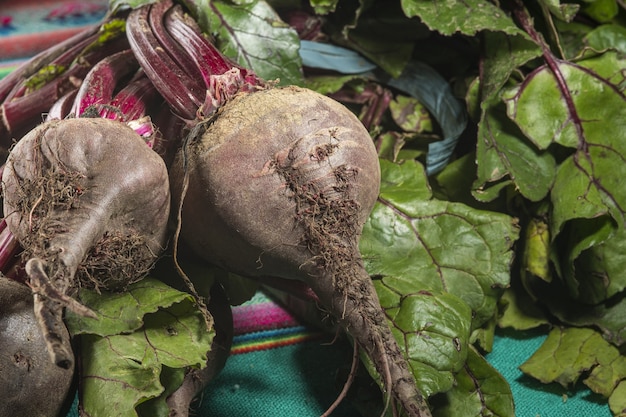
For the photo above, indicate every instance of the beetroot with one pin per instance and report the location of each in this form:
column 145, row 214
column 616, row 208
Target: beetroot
column 88, row 201
column 280, row 185
column 30, row 384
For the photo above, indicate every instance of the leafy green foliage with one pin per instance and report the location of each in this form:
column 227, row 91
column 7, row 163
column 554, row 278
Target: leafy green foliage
column 141, row 342
column 440, row 269
column 480, row 390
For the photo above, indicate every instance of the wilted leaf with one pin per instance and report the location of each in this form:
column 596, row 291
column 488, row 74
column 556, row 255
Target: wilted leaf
column 479, row 391
column 617, row 401
column 567, row 354
column 519, row 311
column 433, row 330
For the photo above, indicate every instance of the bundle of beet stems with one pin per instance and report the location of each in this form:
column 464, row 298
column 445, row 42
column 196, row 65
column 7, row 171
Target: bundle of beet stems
column 272, row 183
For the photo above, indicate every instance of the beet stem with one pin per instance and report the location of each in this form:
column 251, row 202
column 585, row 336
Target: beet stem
column 166, row 74
column 223, row 78
column 101, row 81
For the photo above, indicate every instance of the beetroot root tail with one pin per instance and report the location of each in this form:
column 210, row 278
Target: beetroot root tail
column 48, row 308
column 358, row 310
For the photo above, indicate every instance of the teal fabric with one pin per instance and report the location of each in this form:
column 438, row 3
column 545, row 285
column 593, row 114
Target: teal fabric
column 298, row 380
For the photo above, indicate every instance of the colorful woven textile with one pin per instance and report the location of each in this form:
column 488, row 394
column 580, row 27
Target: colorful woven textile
column 280, row 367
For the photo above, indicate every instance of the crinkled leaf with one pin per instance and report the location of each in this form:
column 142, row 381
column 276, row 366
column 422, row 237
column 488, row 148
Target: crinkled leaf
column 582, row 110
column 123, row 312
column 433, row 330
column 467, row 17
column 404, row 184
column 438, row 245
column 440, row 264
column 118, row 372
column 571, row 353
column 480, row 390
column 570, row 109
column 252, row 34
column 505, row 157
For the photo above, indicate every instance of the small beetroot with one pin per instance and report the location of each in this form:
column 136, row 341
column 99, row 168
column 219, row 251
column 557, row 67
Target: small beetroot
column 88, row 201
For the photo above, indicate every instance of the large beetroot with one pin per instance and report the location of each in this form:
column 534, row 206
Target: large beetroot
column 88, row 201
column 280, row 185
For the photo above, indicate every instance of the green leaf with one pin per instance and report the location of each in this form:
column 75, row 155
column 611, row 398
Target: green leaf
column 617, row 400
column 404, row 184
column 328, row 84
column 570, row 109
column 467, row 17
column 115, row 5
column 519, row 311
column 536, row 258
column 504, row 54
column 568, row 354
column 602, row 10
column 253, row 35
column 119, row 372
column 424, row 323
column 171, row 379
column 594, row 271
column 565, row 12
column 440, row 268
column 608, row 317
column 480, row 390
column 123, row 312
column 324, row 6
column 504, row 157
column 609, row 36
column 438, row 246
column 410, row 114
